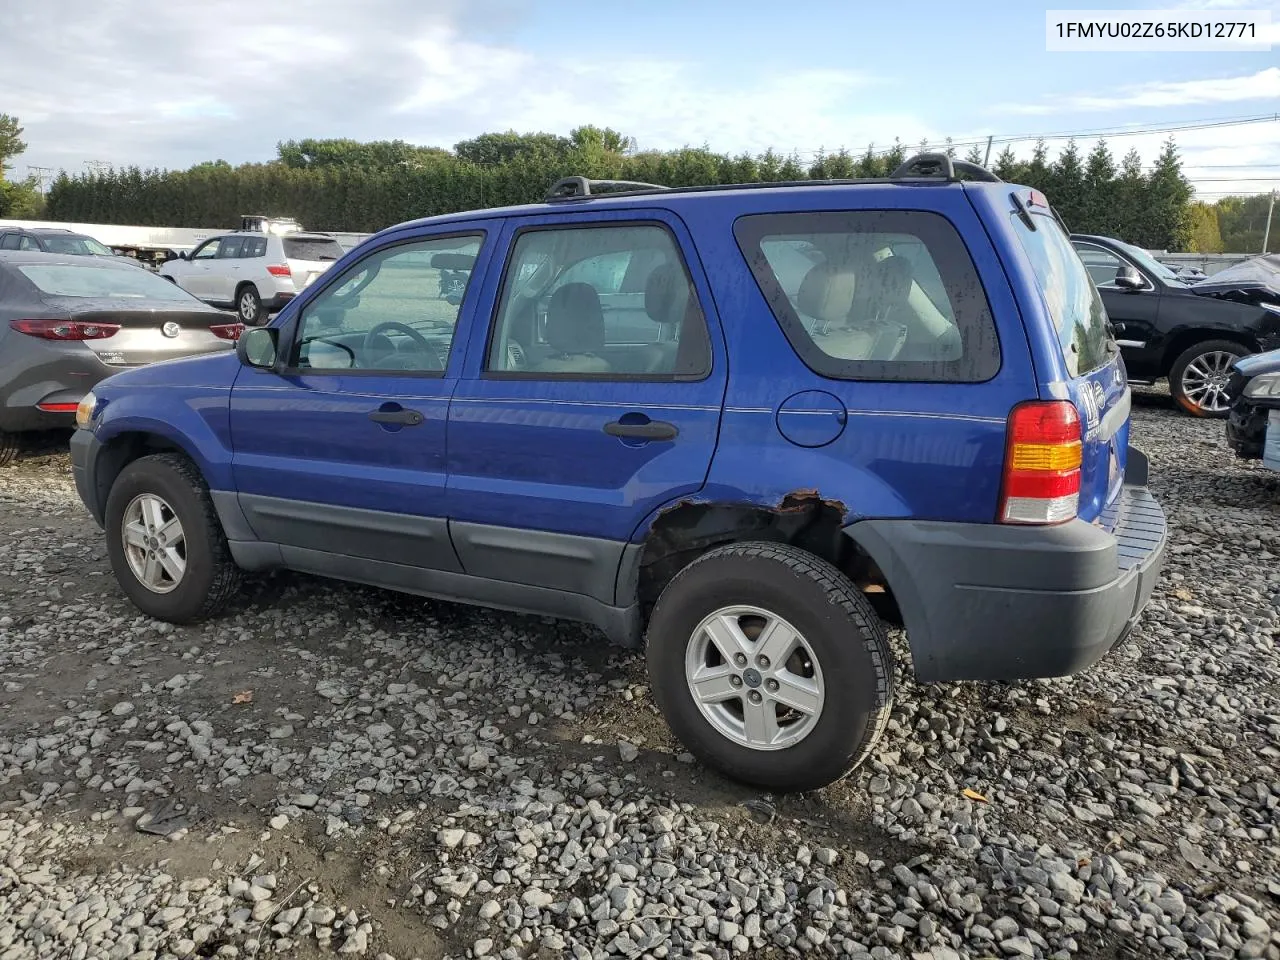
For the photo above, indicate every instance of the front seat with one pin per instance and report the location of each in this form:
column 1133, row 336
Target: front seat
column 574, row 332
column 666, row 301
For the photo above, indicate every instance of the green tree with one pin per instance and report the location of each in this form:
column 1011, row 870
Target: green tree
column 489, row 149
column 1168, row 203
column 1066, row 185
column 11, row 142
column 1206, row 236
column 1098, row 209
column 1009, row 167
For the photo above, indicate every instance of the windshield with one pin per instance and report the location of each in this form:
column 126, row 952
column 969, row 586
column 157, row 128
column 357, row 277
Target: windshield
column 102, row 281
column 1150, row 263
column 76, row 246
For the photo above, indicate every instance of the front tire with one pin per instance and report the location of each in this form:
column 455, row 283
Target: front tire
column 249, row 306
column 166, row 545
column 1198, row 377
column 770, row 666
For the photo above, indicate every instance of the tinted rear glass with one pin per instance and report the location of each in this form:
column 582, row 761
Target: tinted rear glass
column 91, row 280
column 874, row 294
column 296, row 248
column 1075, row 306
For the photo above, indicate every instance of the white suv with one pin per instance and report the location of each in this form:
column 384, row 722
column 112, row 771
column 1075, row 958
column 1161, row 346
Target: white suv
column 255, row 273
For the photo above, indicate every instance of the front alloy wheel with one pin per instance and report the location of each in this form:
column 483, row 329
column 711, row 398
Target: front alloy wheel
column 155, row 545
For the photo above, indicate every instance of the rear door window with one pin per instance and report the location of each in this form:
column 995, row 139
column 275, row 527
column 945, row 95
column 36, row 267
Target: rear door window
column 253, row 247
column 229, row 248
column 874, row 294
column 1074, row 304
column 311, row 248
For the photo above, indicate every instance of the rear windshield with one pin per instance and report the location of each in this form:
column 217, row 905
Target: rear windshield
column 297, row 248
column 92, row 280
column 874, row 295
column 1074, row 303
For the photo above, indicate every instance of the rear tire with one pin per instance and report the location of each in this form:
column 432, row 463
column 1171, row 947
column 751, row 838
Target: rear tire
column 170, row 485
column 828, row 697
column 249, row 305
column 1198, row 377
column 8, row 448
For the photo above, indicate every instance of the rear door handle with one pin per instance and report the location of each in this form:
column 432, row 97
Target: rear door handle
column 653, row 430
column 408, row 418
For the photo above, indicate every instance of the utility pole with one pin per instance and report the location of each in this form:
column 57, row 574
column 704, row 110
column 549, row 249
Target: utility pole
column 1266, row 233
column 986, row 161
column 42, row 175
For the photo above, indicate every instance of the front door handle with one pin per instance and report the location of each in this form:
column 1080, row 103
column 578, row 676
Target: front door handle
column 407, row 418
column 652, row 430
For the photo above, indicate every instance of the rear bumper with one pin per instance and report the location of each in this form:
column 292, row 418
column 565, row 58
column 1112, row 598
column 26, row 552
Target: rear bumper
column 995, row 602
column 276, row 301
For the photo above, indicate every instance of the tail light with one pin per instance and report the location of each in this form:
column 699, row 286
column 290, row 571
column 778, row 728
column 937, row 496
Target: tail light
column 227, row 331
column 65, row 329
column 279, row 270
column 58, row 407
column 1041, row 463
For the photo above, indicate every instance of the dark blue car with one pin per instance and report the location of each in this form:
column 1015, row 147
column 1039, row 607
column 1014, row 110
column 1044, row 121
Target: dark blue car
column 741, row 426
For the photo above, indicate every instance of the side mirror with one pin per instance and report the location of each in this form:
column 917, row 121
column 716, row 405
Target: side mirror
column 258, row 347
column 182, row 255
column 1128, row 278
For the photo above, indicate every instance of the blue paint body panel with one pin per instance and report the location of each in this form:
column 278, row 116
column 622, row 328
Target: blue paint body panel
column 497, row 462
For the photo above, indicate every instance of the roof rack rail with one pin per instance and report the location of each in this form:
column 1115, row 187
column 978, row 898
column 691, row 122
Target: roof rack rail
column 939, row 165
column 572, row 188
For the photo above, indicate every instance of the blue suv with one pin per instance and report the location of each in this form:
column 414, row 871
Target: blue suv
column 741, row 426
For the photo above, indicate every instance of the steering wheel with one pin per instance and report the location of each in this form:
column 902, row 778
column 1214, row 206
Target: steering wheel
column 379, row 329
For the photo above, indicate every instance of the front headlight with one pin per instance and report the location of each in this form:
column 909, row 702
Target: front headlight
column 1263, row 385
column 84, row 411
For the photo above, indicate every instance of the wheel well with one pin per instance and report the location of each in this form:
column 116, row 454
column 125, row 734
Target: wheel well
column 121, row 451
column 1187, row 338
column 240, row 288
column 688, row 529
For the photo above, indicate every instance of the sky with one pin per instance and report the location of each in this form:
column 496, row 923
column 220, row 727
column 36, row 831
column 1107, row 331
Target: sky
column 177, row 83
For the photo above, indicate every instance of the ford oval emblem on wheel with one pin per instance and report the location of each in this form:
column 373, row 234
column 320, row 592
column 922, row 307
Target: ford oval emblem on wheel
column 171, row 329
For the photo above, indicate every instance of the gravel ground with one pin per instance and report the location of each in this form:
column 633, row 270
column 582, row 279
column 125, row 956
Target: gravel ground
column 330, row 768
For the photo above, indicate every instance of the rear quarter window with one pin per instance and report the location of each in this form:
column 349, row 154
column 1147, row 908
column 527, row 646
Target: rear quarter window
column 1075, row 307
column 874, row 294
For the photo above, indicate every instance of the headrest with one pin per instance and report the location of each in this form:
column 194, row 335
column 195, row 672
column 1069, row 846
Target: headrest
column 826, row 293
column 666, row 294
column 575, row 321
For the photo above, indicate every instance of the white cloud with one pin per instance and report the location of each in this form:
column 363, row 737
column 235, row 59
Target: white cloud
column 188, row 82
column 1263, row 85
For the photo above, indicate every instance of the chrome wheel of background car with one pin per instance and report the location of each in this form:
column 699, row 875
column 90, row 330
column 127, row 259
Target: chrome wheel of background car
column 155, row 545
column 754, row 678
column 1204, row 380
column 248, row 307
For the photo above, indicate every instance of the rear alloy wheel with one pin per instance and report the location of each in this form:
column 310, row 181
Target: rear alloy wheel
column 249, row 306
column 1198, row 378
column 8, row 448
column 770, row 666
column 166, row 546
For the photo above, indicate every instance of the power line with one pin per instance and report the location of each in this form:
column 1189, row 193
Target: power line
column 1100, row 132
